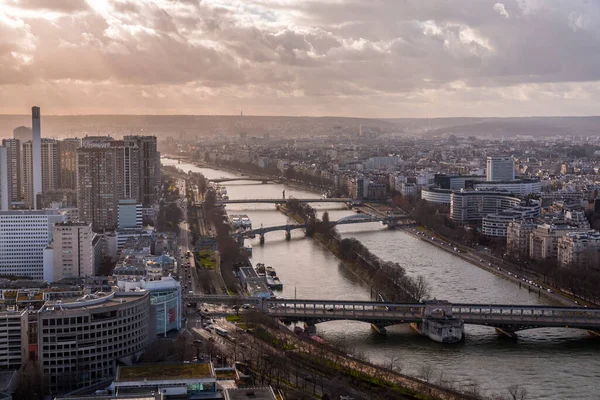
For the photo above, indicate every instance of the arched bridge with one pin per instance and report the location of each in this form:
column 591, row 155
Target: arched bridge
column 282, row 201
column 245, row 178
column 351, row 219
column 508, row 319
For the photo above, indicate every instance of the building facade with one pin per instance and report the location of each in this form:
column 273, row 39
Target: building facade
column 496, row 225
column 470, row 206
column 579, row 250
column 500, row 168
column 543, row 242
column 107, row 172
column 23, row 237
column 73, row 252
column 165, row 301
column 81, row 342
column 147, row 165
column 14, row 329
column 518, row 237
column 15, row 166
column 67, row 150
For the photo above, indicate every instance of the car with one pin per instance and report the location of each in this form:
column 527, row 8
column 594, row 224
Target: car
column 549, row 290
column 246, row 306
column 330, row 309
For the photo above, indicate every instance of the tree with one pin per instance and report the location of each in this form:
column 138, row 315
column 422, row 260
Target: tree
column 30, row 383
column 517, row 392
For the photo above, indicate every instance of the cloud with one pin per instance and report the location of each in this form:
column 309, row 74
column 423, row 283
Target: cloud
column 500, row 9
column 311, row 56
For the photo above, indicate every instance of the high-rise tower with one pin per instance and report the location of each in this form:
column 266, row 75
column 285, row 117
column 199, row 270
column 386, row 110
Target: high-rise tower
column 500, row 168
column 36, row 153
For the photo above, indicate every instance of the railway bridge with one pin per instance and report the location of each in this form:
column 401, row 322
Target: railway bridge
column 507, row 319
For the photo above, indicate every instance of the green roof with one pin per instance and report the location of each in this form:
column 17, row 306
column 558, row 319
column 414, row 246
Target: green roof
column 164, row 372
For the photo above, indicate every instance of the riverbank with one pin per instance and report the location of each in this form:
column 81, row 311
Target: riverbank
column 472, row 259
column 296, row 185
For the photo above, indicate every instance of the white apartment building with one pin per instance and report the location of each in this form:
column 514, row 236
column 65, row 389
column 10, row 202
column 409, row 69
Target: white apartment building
column 579, row 249
column 543, row 242
column 72, row 252
column 23, row 237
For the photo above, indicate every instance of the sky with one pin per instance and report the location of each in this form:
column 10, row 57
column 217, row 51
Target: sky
column 356, row 58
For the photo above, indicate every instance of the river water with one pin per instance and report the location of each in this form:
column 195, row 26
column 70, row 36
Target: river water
column 549, row 363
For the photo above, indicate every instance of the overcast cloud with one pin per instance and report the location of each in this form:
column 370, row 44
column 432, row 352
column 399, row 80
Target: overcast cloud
column 370, row 58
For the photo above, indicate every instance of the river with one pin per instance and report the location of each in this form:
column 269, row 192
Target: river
column 549, row 363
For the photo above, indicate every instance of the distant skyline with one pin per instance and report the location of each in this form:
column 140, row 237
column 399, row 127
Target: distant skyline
column 369, row 58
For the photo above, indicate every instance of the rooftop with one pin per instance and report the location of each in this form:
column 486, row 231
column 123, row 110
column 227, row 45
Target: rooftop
column 262, row 393
column 165, row 372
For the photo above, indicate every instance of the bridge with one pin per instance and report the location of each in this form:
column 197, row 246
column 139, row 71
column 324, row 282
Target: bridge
column 390, row 220
column 507, row 319
column 281, row 201
column 246, row 178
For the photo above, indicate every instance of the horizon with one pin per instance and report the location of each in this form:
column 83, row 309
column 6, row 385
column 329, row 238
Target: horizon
column 296, row 116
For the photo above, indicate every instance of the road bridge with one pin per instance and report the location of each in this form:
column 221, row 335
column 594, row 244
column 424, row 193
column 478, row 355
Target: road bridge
column 390, row 220
column 282, row 201
column 507, row 319
column 262, row 179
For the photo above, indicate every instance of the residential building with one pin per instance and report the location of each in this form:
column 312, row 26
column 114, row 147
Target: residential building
column 27, row 174
column 4, row 181
column 14, row 330
column 579, row 250
column 50, row 165
column 23, row 134
column 408, row 189
column 518, row 237
column 107, row 173
column 147, row 164
column 14, row 168
column 543, row 242
column 500, row 168
column 36, row 154
column 67, row 149
column 23, row 237
column 73, row 252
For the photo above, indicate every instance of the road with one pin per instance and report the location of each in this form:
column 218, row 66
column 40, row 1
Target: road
column 485, row 260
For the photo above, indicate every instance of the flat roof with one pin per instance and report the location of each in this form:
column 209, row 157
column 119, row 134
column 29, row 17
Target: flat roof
column 261, row 393
column 157, row 372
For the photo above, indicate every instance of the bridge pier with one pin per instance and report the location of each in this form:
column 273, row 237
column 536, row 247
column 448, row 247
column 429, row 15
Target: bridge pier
column 506, row 333
column 379, row 328
column 262, row 238
column 288, row 235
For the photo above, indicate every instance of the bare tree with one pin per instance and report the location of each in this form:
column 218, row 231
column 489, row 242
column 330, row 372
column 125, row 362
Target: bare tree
column 517, row 392
column 426, row 372
column 393, row 363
